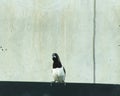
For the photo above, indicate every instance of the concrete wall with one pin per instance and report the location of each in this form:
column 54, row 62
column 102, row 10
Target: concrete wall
column 31, row 30
column 108, row 41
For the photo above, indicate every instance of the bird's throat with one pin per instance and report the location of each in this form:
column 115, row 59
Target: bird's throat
column 57, row 65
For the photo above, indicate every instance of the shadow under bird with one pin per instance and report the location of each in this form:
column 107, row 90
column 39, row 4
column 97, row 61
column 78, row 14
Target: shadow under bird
column 59, row 72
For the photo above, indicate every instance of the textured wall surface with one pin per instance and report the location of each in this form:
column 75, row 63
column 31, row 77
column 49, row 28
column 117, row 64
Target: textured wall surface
column 108, row 41
column 31, row 30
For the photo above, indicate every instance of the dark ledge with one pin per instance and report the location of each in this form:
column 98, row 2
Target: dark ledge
column 9, row 88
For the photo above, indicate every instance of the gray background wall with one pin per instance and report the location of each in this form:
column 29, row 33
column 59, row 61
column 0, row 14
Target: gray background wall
column 31, row 30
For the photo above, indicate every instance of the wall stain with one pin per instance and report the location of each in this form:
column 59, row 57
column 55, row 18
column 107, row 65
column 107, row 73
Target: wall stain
column 3, row 49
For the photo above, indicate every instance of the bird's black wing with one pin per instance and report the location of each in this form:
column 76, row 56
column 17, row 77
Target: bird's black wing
column 64, row 70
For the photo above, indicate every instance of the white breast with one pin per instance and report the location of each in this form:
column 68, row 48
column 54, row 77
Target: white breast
column 58, row 74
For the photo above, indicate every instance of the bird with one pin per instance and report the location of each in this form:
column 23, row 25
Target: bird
column 58, row 71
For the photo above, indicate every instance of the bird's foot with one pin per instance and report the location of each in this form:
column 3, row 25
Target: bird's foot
column 51, row 83
column 64, row 83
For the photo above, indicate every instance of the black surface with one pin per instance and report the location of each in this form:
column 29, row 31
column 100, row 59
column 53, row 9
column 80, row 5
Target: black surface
column 45, row 89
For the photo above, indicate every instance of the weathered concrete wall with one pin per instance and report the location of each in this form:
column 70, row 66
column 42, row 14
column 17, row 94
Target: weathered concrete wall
column 31, row 30
column 108, row 41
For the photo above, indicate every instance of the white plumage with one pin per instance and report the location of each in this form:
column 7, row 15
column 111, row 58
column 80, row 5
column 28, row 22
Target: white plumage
column 59, row 74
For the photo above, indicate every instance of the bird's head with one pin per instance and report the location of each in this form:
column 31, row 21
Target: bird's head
column 55, row 57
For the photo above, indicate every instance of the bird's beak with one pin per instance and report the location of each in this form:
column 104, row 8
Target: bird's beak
column 54, row 56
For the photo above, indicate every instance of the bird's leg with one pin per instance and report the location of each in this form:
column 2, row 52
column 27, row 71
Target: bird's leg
column 52, row 83
column 64, row 83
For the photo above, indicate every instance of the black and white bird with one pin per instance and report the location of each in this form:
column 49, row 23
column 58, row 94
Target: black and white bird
column 59, row 72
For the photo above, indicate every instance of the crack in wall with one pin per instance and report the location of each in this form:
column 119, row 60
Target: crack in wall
column 94, row 42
